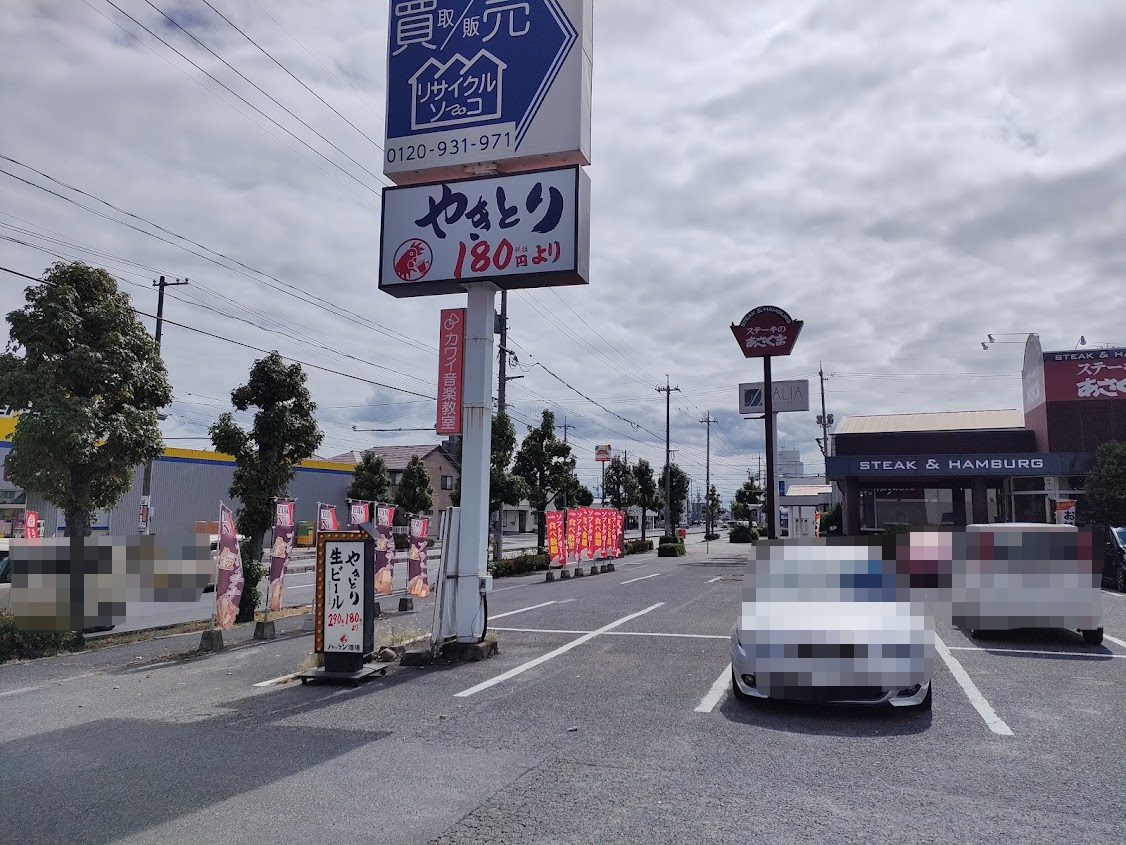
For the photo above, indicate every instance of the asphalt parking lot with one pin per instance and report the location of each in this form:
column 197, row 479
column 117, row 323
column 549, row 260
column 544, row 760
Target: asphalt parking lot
column 607, row 717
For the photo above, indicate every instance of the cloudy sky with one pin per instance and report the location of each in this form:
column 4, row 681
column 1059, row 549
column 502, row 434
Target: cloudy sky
column 906, row 177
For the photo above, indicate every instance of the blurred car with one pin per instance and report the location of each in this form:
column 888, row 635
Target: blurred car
column 1114, row 569
column 5, row 575
column 1028, row 575
column 830, row 624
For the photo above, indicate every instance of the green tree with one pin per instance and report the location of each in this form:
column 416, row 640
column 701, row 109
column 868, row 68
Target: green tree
column 505, row 488
column 746, row 498
column 1106, row 485
column 574, row 494
column 87, row 387
column 680, row 485
column 714, row 509
column 414, row 495
column 545, row 464
column 621, row 485
column 370, row 479
column 284, row 433
column 648, row 497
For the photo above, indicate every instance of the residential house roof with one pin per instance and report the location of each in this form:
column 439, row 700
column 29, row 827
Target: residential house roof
column 937, row 421
column 396, row 457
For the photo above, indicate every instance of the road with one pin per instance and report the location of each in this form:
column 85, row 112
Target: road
column 605, row 718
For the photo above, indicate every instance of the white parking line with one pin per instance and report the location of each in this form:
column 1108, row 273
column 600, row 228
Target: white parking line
column 995, row 722
column 1036, row 651
column 716, row 693
column 616, row 633
column 543, row 658
column 713, row 580
column 1112, row 593
column 521, row 610
column 1115, row 640
column 642, row 578
column 17, row 691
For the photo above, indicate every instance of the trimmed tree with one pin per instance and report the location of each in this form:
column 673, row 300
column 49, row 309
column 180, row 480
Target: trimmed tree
column 714, row 509
column 648, row 497
column 370, row 479
column 284, row 433
column 545, row 465
column 414, row 495
column 87, row 388
column 680, row 485
column 747, row 498
column 1105, row 487
column 574, row 494
column 505, row 488
column 621, row 485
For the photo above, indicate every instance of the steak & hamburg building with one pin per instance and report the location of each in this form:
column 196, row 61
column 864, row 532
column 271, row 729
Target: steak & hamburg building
column 959, row 468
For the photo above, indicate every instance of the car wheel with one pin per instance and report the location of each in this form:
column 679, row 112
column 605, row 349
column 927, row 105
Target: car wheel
column 1094, row 637
column 925, row 704
column 739, row 694
column 979, row 634
column 1120, row 578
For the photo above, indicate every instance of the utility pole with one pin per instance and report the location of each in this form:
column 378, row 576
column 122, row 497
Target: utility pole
column 668, row 390
column 144, row 525
column 502, row 404
column 566, row 428
column 708, row 474
column 825, row 419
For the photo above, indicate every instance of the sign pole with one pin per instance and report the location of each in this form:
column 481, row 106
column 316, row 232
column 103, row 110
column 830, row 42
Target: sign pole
column 476, row 447
column 768, row 399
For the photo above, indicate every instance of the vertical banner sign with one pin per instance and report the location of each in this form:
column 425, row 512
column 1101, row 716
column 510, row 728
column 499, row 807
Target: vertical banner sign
column 451, row 360
column 31, row 529
column 358, row 513
column 619, row 537
column 599, row 544
column 587, row 542
column 555, row 540
column 1065, row 512
column 384, row 549
column 343, row 615
column 418, row 579
column 280, row 549
column 229, row 580
column 326, row 521
column 573, row 520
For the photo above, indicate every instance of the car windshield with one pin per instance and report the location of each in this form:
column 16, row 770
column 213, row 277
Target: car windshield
column 822, row 574
column 1120, row 534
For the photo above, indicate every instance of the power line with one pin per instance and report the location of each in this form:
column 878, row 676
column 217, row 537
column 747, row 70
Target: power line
column 291, row 74
column 248, row 346
column 294, row 291
column 258, row 88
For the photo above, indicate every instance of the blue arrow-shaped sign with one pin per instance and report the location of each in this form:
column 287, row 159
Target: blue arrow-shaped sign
column 466, row 79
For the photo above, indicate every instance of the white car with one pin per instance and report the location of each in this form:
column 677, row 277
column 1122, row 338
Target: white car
column 828, row 623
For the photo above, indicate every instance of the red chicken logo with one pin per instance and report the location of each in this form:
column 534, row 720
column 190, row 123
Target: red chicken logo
column 413, row 260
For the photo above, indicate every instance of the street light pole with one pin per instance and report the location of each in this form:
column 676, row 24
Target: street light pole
column 144, row 525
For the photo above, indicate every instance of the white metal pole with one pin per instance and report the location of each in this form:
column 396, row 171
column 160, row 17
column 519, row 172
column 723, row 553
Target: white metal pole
column 477, row 427
column 776, row 515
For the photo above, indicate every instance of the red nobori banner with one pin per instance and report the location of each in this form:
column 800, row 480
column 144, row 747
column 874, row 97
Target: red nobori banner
column 31, row 526
column 451, row 361
column 1094, row 374
column 555, row 547
column 572, row 539
column 767, row 331
column 280, row 549
column 358, row 512
column 586, row 540
column 326, row 518
column 228, row 580
column 619, row 534
column 418, row 579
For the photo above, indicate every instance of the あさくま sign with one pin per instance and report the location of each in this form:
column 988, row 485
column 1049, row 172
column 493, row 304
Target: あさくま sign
column 767, row 331
column 451, row 366
column 602, row 453
column 523, row 230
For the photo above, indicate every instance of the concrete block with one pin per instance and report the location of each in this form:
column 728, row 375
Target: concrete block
column 406, row 603
column 211, row 641
column 265, row 631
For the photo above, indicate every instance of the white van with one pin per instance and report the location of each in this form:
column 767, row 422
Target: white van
column 1028, row 575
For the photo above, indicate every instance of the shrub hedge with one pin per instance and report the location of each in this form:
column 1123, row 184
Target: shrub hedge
column 634, row 547
column 743, row 534
column 671, row 550
column 519, row 565
column 23, row 645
